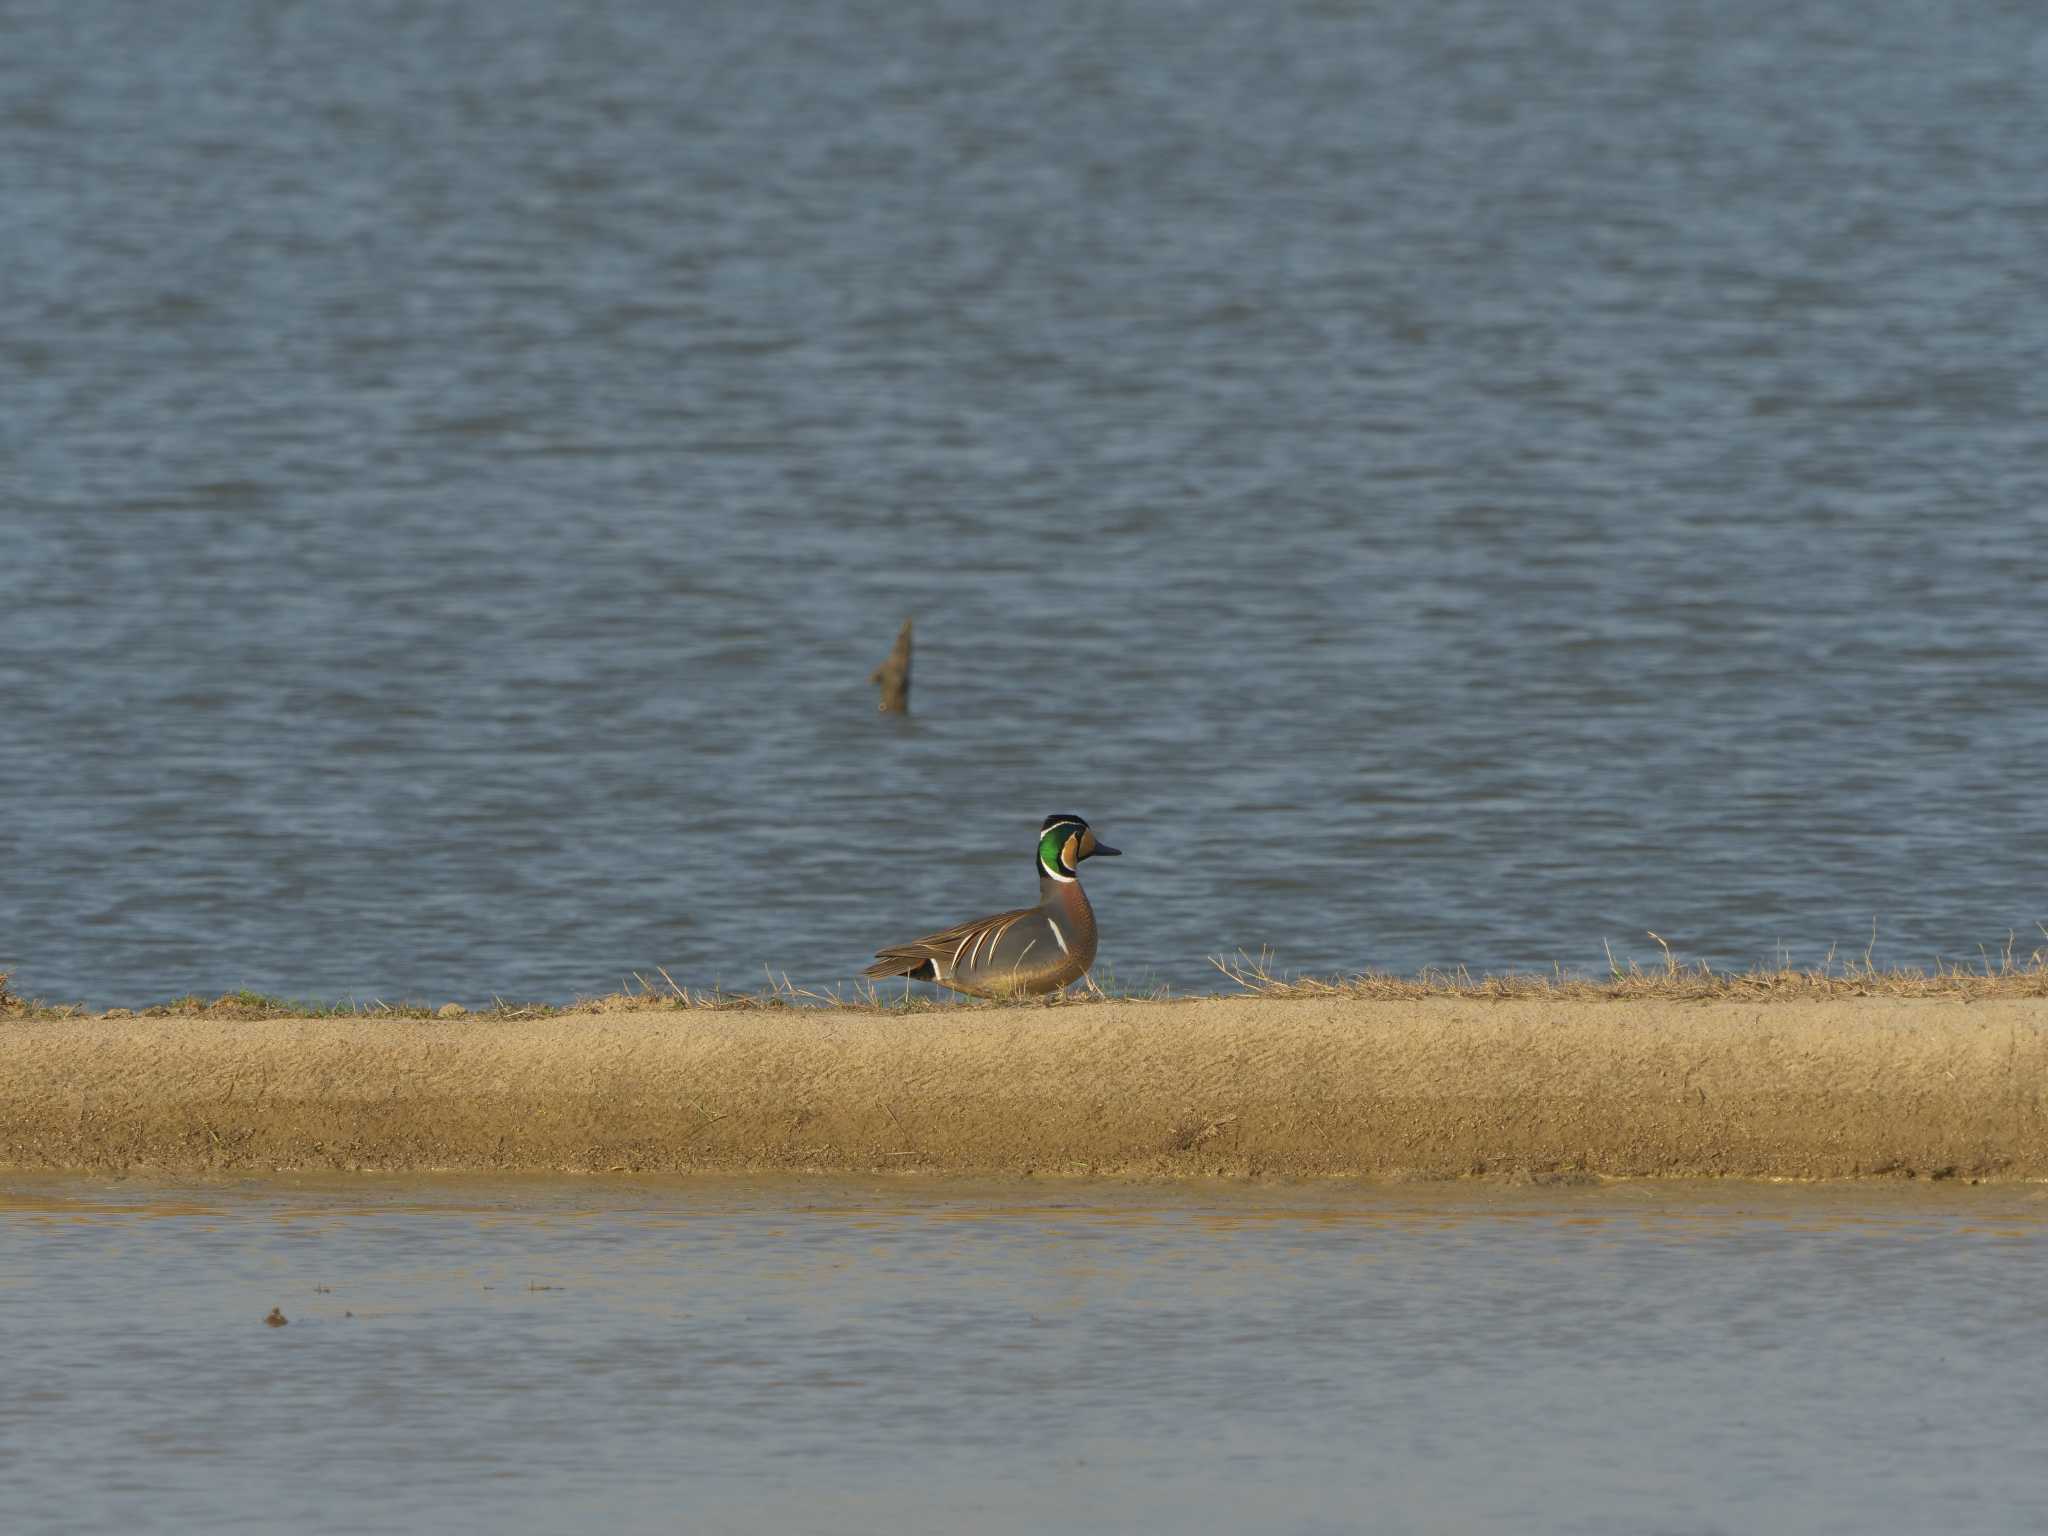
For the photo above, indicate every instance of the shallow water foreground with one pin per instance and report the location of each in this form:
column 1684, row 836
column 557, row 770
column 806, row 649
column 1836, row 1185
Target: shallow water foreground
column 909, row 1355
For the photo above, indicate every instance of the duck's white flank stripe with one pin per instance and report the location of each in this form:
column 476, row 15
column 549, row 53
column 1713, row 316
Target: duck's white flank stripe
column 1055, row 927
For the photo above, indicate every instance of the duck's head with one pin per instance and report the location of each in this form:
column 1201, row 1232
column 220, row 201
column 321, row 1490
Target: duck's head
column 1063, row 842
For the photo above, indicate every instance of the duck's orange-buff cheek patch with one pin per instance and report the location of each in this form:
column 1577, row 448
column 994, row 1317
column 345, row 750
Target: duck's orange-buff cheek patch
column 1069, row 855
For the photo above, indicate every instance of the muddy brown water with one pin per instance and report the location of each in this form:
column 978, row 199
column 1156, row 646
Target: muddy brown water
column 908, row 1355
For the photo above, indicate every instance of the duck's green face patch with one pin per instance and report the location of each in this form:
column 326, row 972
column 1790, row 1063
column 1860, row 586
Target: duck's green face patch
column 1060, row 846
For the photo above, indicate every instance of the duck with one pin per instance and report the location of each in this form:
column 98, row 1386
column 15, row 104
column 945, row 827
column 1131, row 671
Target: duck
column 1030, row 951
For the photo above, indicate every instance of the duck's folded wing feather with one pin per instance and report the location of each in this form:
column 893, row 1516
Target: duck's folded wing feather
column 945, row 950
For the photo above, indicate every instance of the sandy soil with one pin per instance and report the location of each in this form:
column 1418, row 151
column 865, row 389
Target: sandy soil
column 1228, row 1087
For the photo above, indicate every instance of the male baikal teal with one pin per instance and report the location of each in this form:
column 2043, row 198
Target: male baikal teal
column 1034, row 949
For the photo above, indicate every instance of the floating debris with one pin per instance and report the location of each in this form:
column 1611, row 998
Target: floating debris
column 277, row 1319
column 893, row 675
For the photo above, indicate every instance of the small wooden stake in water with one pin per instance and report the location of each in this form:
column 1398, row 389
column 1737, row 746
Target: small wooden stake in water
column 893, row 675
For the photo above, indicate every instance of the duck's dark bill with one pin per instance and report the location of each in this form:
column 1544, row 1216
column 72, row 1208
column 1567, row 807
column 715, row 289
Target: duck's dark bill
column 1106, row 849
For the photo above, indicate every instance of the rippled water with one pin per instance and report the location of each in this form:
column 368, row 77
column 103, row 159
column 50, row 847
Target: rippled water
column 1450, row 482
column 904, row 1355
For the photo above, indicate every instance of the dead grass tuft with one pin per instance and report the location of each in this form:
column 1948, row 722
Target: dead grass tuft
column 2005, row 973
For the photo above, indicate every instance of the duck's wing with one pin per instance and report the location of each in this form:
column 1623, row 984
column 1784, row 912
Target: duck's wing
column 941, row 956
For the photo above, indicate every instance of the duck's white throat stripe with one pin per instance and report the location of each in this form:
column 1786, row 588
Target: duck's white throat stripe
column 1053, row 874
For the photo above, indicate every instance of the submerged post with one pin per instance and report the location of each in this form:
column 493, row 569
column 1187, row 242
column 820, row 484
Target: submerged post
column 893, row 675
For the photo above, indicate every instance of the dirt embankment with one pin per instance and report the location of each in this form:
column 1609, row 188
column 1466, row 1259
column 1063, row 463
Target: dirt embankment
column 1223, row 1087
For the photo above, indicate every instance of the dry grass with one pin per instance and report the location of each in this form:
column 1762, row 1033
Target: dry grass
column 2004, row 972
column 2001, row 973
column 636, row 994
